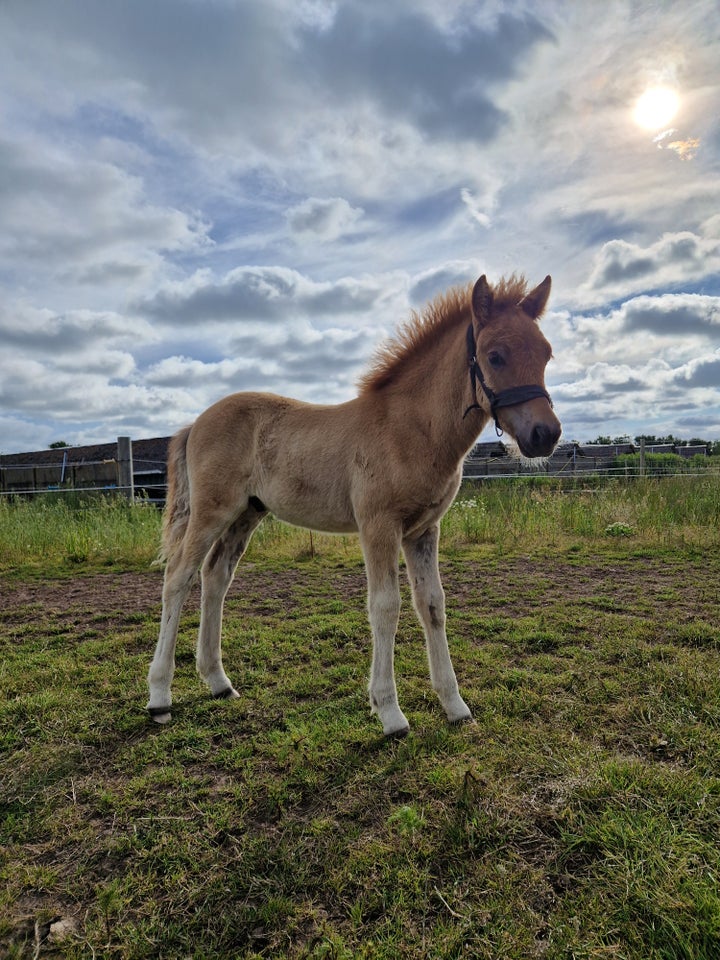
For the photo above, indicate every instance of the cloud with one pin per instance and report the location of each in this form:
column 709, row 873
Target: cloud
column 482, row 216
column 66, row 215
column 623, row 395
column 431, row 282
column 74, row 333
column 621, row 268
column 685, row 149
column 200, row 197
column 673, row 314
column 328, row 361
column 701, row 372
column 324, row 220
column 258, row 294
column 383, row 52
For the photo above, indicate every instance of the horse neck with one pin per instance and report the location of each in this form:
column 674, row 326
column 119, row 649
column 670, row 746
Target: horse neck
column 436, row 392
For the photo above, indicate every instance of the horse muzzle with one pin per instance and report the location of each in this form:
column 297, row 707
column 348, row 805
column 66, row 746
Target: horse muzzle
column 541, row 441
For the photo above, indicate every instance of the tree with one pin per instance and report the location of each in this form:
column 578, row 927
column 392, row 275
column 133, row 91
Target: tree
column 58, row 445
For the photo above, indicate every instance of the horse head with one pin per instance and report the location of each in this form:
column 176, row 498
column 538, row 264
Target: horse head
column 510, row 356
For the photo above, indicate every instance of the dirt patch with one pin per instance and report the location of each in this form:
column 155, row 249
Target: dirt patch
column 134, row 593
column 101, row 593
column 514, row 587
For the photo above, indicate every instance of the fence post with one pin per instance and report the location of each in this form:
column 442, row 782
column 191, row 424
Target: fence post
column 125, row 467
column 642, row 456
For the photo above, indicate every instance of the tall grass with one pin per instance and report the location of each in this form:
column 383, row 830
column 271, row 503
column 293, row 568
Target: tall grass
column 649, row 510
column 54, row 532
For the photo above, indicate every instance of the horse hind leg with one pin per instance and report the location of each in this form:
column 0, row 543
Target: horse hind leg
column 217, row 574
column 180, row 573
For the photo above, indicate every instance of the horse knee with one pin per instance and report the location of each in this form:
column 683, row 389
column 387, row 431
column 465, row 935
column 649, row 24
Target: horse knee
column 384, row 597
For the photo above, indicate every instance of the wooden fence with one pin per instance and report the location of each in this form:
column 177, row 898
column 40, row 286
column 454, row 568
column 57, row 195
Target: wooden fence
column 112, row 468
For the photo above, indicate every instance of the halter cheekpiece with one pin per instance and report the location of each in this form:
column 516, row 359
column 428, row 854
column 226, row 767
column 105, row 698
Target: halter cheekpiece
column 506, row 398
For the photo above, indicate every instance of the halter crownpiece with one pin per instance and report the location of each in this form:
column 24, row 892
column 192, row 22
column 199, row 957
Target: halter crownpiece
column 506, row 398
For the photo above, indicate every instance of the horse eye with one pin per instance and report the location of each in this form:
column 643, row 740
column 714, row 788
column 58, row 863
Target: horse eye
column 495, row 360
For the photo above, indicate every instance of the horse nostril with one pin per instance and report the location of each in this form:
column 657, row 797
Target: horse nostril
column 544, row 438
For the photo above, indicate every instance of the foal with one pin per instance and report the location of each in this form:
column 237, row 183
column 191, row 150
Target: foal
column 386, row 465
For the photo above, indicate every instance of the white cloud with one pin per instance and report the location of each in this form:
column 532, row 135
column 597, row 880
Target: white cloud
column 77, row 332
column 622, row 268
column 69, row 221
column 324, row 220
column 198, row 197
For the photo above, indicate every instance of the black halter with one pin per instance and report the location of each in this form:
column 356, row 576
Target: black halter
column 506, row 398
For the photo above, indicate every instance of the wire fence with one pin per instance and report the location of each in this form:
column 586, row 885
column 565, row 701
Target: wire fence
column 147, row 481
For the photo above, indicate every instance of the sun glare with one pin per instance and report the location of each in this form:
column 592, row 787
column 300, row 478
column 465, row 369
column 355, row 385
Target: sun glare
column 656, row 108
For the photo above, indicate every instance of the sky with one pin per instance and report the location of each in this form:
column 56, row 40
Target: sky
column 204, row 196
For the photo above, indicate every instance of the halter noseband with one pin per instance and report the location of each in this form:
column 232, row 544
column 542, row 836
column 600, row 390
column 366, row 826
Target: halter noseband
column 506, row 398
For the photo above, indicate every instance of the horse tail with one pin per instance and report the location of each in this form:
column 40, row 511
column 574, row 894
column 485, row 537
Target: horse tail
column 177, row 503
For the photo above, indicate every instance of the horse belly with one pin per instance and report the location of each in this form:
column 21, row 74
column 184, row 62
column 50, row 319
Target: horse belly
column 302, row 470
column 314, row 518
column 298, row 500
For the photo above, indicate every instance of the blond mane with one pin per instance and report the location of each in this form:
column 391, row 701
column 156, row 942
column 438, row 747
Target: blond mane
column 424, row 329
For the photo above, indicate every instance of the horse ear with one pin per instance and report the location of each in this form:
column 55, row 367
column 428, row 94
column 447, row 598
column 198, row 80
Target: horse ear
column 482, row 302
column 536, row 301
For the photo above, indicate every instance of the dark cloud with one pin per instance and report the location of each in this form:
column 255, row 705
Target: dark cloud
column 198, row 60
column 258, row 293
column 414, row 72
column 673, row 314
column 623, row 268
column 624, row 261
column 253, row 62
column 703, row 373
column 674, row 256
column 430, row 284
column 42, row 334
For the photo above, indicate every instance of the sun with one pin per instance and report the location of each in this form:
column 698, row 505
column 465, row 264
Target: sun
column 656, row 108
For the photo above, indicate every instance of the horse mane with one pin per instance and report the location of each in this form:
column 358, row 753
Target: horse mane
column 425, row 329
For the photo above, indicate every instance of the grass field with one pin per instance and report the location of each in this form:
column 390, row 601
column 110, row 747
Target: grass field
column 578, row 819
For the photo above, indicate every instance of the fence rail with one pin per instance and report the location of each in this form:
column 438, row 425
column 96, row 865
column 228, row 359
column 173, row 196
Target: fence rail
column 73, row 472
column 136, row 476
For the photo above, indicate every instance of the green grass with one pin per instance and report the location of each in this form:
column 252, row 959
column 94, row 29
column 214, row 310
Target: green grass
column 578, row 819
column 58, row 532
column 58, row 535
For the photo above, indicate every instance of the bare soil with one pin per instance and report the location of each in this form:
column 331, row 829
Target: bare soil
column 511, row 587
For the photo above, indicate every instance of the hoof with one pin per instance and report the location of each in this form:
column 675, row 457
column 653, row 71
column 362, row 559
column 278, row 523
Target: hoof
column 469, row 721
column 160, row 714
column 397, row 734
column 229, row 693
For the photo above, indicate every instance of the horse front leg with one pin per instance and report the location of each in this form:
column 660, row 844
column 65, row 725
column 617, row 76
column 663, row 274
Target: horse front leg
column 421, row 557
column 381, row 563
column 217, row 573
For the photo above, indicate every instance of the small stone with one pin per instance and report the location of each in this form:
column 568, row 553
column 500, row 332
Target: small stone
column 62, row 929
